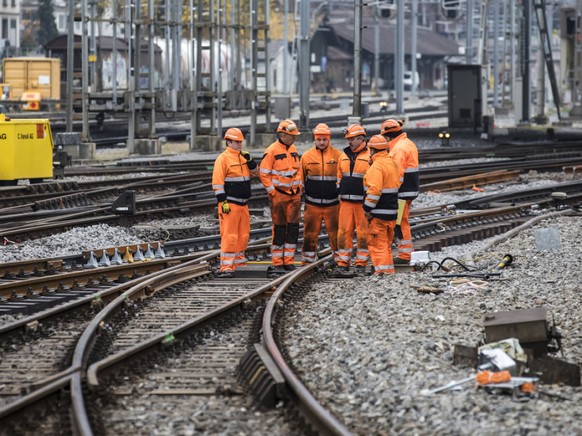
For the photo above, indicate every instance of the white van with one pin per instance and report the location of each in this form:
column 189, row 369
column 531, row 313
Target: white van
column 407, row 80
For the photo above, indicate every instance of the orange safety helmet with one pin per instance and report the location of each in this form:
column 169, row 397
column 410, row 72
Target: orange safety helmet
column 378, row 142
column 321, row 130
column 391, row 126
column 288, row 126
column 353, row 131
column 234, row 134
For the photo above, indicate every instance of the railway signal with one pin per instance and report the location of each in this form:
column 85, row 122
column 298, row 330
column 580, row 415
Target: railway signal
column 386, row 9
column 451, row 9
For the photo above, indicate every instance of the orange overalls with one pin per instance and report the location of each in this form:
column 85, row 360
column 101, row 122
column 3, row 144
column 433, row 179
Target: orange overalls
column 319, row 168
column 350, row 176
column 280, row 174
column 231, row 181
column 381, row 183
column 404, row 152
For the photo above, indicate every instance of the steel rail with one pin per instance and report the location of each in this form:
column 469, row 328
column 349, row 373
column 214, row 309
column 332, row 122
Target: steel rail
column 89, row 336
column 319, row 416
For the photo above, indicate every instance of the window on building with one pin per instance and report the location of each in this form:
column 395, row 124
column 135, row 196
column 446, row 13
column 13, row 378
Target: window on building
column 5, row 3
column 4, row 28
column 13, row 3
column 13, row 24
column 62, row 23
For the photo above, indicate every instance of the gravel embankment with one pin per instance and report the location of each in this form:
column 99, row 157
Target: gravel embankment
column 370, row 349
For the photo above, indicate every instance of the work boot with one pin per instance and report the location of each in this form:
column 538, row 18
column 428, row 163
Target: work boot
column 289, row 267
column 360, row 270
column 275, row 271
column 341, row 270
column 225, row 274
column 400, row 261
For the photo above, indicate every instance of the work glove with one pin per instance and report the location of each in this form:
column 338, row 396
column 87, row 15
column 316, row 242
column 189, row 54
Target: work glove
column 401, row 205
column 225, row 207
column 398, row 231
column 250, row 162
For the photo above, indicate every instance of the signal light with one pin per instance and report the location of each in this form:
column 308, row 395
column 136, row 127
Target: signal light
column 386, row 9
column 450, row 9
column 445, row 136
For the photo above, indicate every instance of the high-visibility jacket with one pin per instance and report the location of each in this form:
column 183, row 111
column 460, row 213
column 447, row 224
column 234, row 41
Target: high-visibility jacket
column 319, row 169
column 381, row 182
column 350, row 174
column 281, row 169
column 405, row 153
column 231, row 177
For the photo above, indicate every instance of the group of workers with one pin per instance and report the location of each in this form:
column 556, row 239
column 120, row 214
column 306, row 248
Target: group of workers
column 365, row 191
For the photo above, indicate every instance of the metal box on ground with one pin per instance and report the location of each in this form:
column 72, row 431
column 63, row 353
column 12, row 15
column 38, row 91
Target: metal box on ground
column 467, row 91
column 33, row 74
column 26, row 147
column 529, row 326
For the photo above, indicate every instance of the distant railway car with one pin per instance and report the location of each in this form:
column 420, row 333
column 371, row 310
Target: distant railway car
column 26, row 146
column 32, row 80
column 108, row 69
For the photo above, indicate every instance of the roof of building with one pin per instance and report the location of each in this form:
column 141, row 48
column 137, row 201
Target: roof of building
column 338, row 55
column 429, row 43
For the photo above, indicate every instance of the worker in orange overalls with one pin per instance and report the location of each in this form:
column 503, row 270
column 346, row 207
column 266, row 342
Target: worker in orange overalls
column 405, row 153
column 319, row 166
column 354, row 162
column 381, row 182
column 231, row 181
column 280, row 173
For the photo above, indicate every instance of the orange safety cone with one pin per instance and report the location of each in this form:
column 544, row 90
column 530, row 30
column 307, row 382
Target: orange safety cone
column 128, row 257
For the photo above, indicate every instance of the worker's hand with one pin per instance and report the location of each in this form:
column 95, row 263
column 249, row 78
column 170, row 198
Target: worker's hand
column 246, row 155
column 368, row 215
column 225, row 207
column 398, row 231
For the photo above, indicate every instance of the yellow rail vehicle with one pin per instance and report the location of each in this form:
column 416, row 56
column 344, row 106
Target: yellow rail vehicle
column 26, row 147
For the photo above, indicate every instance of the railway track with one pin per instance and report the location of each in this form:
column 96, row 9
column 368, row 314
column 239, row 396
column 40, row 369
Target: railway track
column 120, row 335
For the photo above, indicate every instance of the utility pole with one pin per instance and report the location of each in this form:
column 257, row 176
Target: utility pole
column 357, row 100
column 577, row 88
column 70, row 64
column 399, row 57
column 525, row 60
column 496, row 53
column 304, row 64
column 413, row 66
column 469, row 43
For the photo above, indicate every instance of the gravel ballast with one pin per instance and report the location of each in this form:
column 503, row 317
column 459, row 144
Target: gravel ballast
column 371, row 348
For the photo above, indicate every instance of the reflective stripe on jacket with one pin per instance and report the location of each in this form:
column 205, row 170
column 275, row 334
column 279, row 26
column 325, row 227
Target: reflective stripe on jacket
column 280, row 169
column 319, row 169
column 381, row 183
column 231, row 177
column 405, row 153
column 350, row 174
